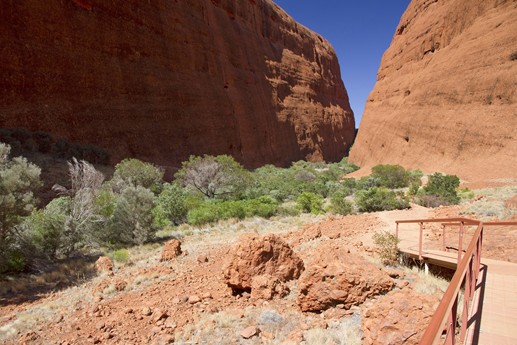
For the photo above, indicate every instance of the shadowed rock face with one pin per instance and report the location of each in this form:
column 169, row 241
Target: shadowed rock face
column 445, row 96
column 162, row 80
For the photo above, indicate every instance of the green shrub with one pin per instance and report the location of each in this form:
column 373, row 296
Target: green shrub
column 121, row 256
column 340, row 204
column 212, row 211
column 132, row 219
column 263, row 206
column 413, row 189
column 207, row 212
column 45, row 229
column 19, row 179
column 137, row 173
column 386, row 245
column 289, row 209
column 367, row 182
column 391, row 176
column 310, row 203
column 380, row 199
column 441, row 189
column 171, row 206
column 215, row 177
column 415, row 177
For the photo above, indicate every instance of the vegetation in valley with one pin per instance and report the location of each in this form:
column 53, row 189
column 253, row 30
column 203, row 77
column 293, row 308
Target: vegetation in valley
column 91, row 213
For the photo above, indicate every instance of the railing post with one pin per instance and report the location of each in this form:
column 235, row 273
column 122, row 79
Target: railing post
column 443, row 238
column 466, row 299
column 451, row 324
column 460, row 243
column 397, row 230
column 420, row 256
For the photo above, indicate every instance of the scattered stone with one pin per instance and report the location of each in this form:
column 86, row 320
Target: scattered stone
column 202, row 259
column 104, row 265
column 100, row 325
column 249, row 332
column 194, row 299
column 146, row 311
column 402, row 284
column 160, row 314
column 120, row 284
column 171, row 250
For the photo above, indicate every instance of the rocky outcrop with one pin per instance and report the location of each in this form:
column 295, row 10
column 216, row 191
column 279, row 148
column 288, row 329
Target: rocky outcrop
column 445, row 95
column 337, row 277
column 400, row 317
column 171, row 250
column 163, row 80
column 254, row 256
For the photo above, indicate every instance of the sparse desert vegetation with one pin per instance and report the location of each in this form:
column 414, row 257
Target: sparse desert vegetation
column 213, row 200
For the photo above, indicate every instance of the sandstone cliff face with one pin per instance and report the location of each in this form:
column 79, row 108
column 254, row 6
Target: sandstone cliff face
column 165, row 79
column 445, row 98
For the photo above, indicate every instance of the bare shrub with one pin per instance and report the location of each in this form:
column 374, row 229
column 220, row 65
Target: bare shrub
column 387, row 246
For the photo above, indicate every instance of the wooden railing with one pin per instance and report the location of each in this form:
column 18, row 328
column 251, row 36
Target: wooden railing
column 467, row 273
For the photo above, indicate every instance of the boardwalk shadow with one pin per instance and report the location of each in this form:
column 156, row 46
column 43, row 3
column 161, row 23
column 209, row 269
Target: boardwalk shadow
column 476, row 317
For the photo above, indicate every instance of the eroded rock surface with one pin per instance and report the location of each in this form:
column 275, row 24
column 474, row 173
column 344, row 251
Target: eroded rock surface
column 338, row 277
column 255, row 255
column 162, row 81
column 445, row 95
column 400, row 317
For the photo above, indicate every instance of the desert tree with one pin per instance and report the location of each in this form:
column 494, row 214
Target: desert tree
column 214, row 177
column 82, row 215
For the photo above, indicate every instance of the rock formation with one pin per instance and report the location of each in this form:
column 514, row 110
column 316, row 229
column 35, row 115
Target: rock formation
column 171, row 250
column 445, row 95
column 338, row 277
column 163, row 80
column 254, row 256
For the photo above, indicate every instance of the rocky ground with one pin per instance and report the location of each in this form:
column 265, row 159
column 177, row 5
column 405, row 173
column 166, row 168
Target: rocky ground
column 300, row 280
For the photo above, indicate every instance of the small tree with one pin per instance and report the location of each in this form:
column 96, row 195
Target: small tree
column 214, row 177
column 391, row 176
column 171, row 206
column 132, row 219
column 442, row 189
column 137, row 173
column 19, row 180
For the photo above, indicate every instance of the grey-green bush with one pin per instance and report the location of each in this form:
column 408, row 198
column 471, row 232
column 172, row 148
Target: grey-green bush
column 19, row 179
column 380, row 199
column 340, row 204
column 137, row 173
column 132, row 219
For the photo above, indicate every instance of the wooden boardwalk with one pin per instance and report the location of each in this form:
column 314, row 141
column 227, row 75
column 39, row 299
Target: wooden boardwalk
column 494, row 313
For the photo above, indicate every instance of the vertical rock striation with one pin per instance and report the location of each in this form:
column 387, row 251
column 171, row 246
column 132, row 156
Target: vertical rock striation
column 160, row 80
column 445, row 97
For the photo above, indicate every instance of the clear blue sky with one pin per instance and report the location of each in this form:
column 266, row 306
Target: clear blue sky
column 360, row 32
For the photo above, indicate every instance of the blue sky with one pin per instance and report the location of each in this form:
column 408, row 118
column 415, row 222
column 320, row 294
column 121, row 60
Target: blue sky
column 360, row 32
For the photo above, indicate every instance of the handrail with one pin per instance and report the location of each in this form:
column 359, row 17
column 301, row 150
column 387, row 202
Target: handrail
column 434, row 331
column 441, row 220
column 467, row 271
